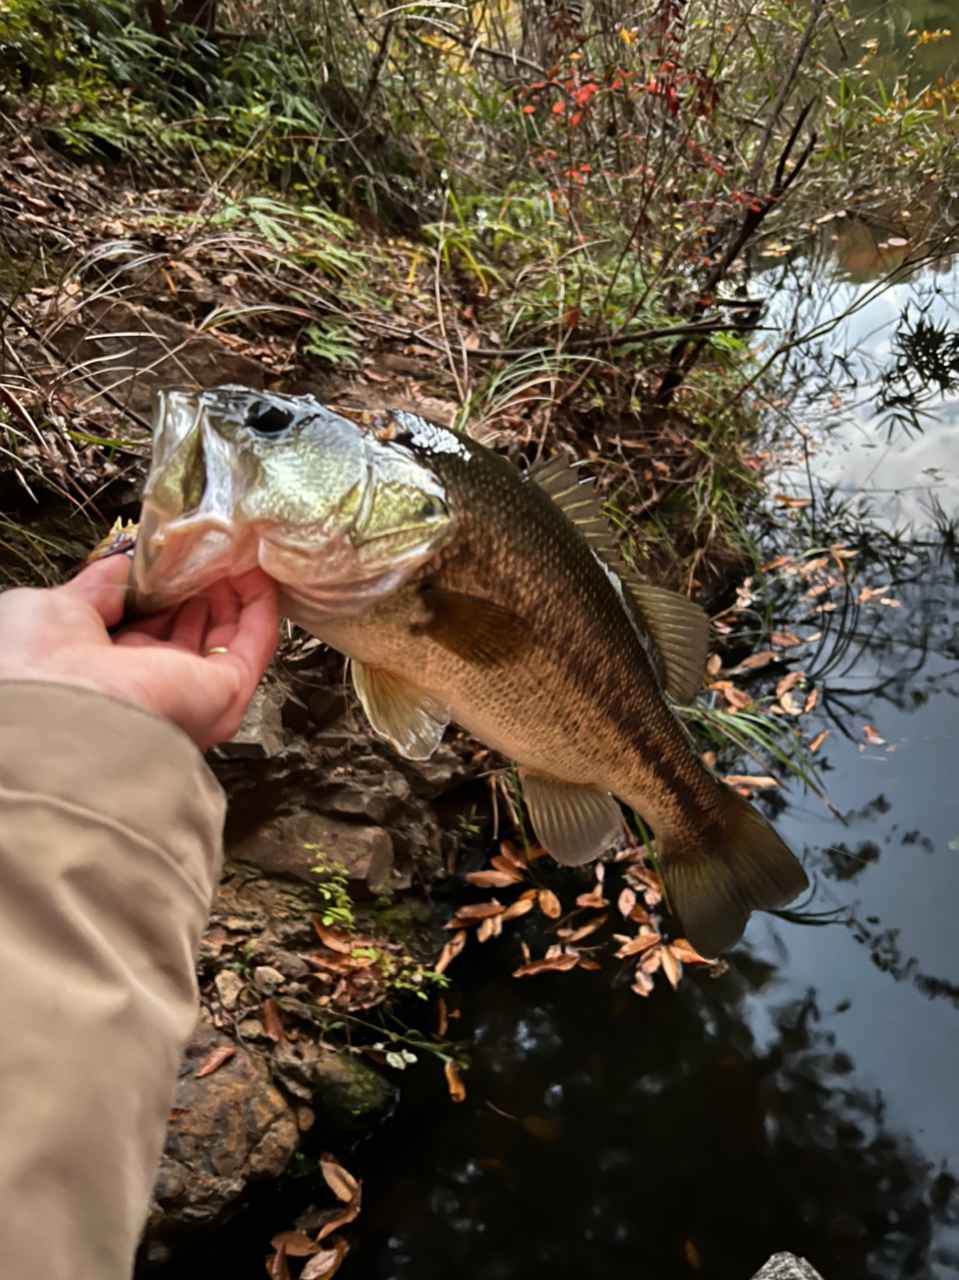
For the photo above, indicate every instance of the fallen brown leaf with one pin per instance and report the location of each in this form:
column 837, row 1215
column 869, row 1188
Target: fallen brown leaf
column 272, row 1024
column 515, row 856
column 760, row 782
column 450, row 951
column 332, row 937
column 789, row 682
column 784, row 639
column 297, row 1245
column 687, row 953
column 326, row 1263
column 757, row 660
column 339, row 1180
column 643, row 941
column 786, row 501
column 276, row 1267
column 214, row 1060
column 491, row 927
column 626, row 901
column 774, row 564
column 549, row 904
column 525, row 902
column 736, row 698
column 549, row 964
column 812, row 699
column 333, row 1219
column 574, row 935
column 594, row 899
column 493, row 879
column 479, row 910
column 453, row 1082
column 670, row 967
column 819, row 739
column 872, row 736
column 442, row 1017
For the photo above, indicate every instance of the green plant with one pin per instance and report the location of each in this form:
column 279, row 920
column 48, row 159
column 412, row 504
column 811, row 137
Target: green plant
column 333, row 889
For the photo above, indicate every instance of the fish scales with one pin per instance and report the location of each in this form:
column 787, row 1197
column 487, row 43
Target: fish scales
column 464, row 589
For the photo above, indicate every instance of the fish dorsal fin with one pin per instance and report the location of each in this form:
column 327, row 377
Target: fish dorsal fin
column 410, row 719
column 677, row 627
column 579, row 502
column 572, row 822
column 680, row 631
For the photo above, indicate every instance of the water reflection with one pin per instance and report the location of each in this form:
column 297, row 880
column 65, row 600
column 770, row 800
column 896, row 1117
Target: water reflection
column 680, row 1145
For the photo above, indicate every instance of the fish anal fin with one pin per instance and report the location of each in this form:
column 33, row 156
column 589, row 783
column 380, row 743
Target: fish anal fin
column 738, row 865
column 572, row 822
column 679, row 629
column 413, row 721
column 475, row 629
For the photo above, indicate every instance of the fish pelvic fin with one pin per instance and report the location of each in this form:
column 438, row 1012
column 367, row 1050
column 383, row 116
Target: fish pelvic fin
column 736, row 866
column 572, row 822
column 411, row 720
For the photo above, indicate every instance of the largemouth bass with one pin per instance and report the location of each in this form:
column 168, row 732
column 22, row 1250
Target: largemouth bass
column 464, row 589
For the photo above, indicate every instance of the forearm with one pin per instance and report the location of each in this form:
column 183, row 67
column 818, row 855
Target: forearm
column 110, row 829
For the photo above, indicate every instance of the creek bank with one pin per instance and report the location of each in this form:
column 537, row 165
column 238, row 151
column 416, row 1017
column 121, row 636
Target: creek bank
column 311, row 805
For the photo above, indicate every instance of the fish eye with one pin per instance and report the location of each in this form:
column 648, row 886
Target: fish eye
column 431, row 507
column 268, row 420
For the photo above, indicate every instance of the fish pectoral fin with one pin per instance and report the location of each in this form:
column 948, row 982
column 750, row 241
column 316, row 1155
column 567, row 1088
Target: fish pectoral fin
column 680, row 631
column 476, row 630
column 737, row 866
column 572, row 822
column 405, row 716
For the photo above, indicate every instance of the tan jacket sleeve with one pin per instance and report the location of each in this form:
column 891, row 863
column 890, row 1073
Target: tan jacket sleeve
column 110, row 836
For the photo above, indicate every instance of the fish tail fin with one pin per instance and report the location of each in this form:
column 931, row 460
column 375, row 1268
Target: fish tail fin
column 736, row 865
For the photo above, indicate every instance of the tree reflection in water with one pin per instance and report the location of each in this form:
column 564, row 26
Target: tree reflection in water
column 681, row 1146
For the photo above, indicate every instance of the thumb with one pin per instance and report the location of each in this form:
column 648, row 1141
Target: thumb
column 103, row 586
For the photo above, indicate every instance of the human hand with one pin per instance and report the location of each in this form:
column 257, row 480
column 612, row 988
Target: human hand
column 196, row 665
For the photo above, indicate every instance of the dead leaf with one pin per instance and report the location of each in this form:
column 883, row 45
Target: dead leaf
column 326, row 1263
column 714, row 664
column 736, row 698
column 339, row 1180
column 757, row 660
column 786, row 501
column 574, row 935
column 819, row 739
column 549, row 964
column 687, row 953
column 789, row 682
column 214, row 1060
column 271, row 1021
column 626, row 901
column 511, row 854
column 644, row 941
column 491, row 927
column 872, row 736
column 450, row 951
column 594, row 899
column 479, row 910
column 453, row 1082
column 642, row 983
column 789, row 704
column 332, row 937
column 670, row 967
column 774, row 564
column 333, row 1219
column 276, row 1267
column 549, row 904
column 443, row 1020
column 811, row 700
column 297, row 1245
column 525, row 902
column 545, row 1130
column 493, row 879
column 784, row 639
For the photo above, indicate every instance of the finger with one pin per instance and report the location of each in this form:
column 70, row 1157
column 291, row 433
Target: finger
column 155, row 627
column 103, row 586
column 190, row 624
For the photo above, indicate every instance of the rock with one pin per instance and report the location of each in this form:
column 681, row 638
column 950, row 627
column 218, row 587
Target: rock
column 281, row 848
column 430, row 778
column 233, row 1126
column 786, row 1266
column 229, row 984
column 266, row 979
column 343, row 1091
column 260, row 736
